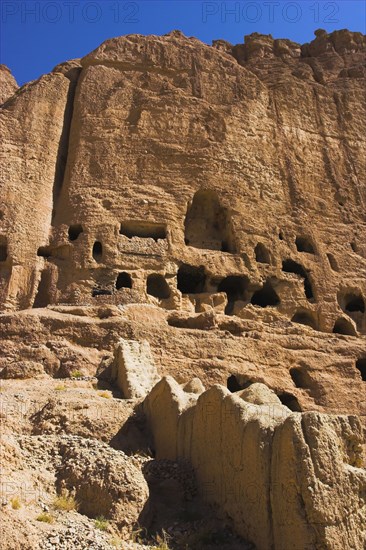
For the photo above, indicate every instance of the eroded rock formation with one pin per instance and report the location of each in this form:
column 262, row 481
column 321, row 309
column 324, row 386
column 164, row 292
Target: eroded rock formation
column 288, row 480
column 8, row 84
column 198, row 210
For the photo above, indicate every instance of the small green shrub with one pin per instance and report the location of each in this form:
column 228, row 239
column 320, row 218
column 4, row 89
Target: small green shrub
column 45, row 517
column 101, row 523
column 116, row 542
column 15, row 503
column 65, row 502
column 104, row 394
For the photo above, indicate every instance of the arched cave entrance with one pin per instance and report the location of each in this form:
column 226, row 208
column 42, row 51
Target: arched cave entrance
column 353, row 304
column 344, row 326
column 290, row 266
column 207, row 224
column 304, row 318
column 74, row 231
column 266, row 296
column 235, row 287
column 191, row 279
column 304, row 244
column 261, row 254
column 234, row 385
column 157, row 286
column 123, row 280
column 299, row 377
column 290, row 401
column 97, row 251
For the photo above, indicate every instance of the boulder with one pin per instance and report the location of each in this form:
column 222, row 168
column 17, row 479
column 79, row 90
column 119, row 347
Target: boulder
column 103, row 481
column 259, row 394
column 134, row 369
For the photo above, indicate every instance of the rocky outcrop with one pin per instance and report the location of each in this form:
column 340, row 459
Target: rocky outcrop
column 31, row 152
column 324, row 372
column 8, row 84
column 105, row 482
column 288, row 480
column 93, row 479
column 133, row 368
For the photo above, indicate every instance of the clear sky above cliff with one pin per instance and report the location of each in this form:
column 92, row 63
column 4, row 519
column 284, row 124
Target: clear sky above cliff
column 37, row 35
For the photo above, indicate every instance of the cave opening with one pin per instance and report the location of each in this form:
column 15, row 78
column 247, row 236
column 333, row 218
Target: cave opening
column 290, row 401
column 299, row 378
column 235, row 287
column 143, row 230
column 207, row 224
column 361, row 366
column 354, row 303
column 261, row 254
column 3, row 252
column 332, row 262
column 44, row 252
column 304, row 244
column 43, row 297
column 123, row 280
column 290, row 266
column 233, row 385
column 157, row 286
column 75, row 231
column 191, row 279
column 265, row 296
column 97, row 251
column 344, row 326
column 101, row 292
column 304, row 318
column 3, row 248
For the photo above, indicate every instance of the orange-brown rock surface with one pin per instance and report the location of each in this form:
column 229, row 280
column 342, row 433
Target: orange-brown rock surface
column 208, row 200
column 8, row 84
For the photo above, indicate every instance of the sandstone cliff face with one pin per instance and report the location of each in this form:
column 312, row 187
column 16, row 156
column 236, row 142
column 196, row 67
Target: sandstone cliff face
column 209, row 202
column 226, row 179
column 8, row 84
column 166, row 135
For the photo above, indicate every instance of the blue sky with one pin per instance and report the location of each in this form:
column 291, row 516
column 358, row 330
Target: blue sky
column 37, row 35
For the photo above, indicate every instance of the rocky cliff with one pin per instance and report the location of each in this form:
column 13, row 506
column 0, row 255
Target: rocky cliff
column 208, row 201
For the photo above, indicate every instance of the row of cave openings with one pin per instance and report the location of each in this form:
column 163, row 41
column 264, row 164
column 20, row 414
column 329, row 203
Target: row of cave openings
column 207, row 226
column 156, row 285
column 193, row 280
column 300, row 379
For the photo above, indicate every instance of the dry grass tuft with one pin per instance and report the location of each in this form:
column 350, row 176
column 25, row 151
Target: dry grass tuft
column 65, row 502
column 15, row 503
column 45, row 517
